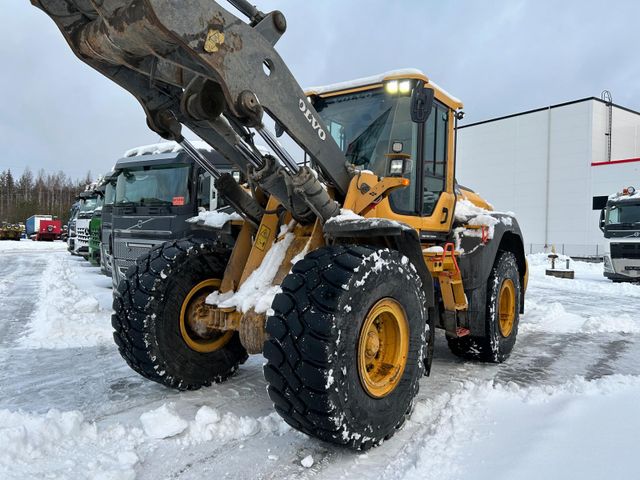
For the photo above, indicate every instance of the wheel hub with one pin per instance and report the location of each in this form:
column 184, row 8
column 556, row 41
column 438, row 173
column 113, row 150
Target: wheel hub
column 373, row 344
column 194, row 320
column 383, row 348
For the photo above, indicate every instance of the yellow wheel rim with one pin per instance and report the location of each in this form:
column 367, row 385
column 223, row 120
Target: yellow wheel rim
column 192, row 302
column 383, row 348
column 507, row 307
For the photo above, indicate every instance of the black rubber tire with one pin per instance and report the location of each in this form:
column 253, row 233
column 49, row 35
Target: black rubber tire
column 493, row 347
column 147, row 308
column 312, row 370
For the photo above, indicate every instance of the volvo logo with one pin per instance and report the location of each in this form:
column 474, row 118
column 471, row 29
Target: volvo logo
column 304, row 108
column 139, row 224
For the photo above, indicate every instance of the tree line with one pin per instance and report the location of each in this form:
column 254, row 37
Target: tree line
column 40, row 194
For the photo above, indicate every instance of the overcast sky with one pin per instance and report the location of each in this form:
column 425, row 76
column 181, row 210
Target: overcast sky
column 499, row 57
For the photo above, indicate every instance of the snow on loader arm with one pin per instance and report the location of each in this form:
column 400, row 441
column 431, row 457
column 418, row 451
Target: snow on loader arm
column 339, row 270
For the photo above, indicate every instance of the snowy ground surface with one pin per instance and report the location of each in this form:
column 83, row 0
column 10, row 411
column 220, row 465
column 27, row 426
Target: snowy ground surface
column 563, row 406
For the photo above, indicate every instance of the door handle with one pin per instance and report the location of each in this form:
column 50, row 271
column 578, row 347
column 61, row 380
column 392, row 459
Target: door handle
column 445, row 214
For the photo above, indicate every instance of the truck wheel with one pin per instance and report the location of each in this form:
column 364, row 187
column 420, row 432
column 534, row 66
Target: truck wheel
column 502, row 315
column 348, row 335
column 152, row 307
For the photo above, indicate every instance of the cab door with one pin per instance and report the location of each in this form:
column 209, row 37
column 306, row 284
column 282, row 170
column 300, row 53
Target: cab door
column 427, row 204
column 437, row 175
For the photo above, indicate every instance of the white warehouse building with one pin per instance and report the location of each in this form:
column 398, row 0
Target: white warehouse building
column 551, row 166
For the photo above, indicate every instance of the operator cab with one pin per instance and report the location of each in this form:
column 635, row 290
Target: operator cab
column 373, row 121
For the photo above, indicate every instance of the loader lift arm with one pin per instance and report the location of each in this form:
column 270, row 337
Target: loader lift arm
column 193, row 63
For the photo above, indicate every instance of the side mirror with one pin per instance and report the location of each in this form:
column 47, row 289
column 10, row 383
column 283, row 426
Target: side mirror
column 602, row 219
column 421, row 103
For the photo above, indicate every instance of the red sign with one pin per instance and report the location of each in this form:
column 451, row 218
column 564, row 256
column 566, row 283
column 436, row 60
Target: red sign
column 178, row 201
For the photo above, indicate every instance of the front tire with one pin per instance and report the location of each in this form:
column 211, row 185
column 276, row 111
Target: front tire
column 348, row 336
column 502, row 315
column 150, row 310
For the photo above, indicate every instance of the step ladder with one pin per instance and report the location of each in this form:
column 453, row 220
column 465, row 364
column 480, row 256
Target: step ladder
column 445, row 270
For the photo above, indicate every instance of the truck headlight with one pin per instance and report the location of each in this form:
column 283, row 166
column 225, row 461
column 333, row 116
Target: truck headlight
column 608, row 266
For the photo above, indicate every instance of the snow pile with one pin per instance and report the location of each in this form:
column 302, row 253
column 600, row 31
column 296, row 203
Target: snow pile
column 552, row 317
column 210, row 425
column 214, row 219
column 542, row 260
column 62, row 445
column 68, row 313
column 503, row 432
column 257, row 291
column 164, row 147
column 162, row 422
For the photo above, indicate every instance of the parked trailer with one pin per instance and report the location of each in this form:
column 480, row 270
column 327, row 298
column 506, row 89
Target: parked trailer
column 43, row 227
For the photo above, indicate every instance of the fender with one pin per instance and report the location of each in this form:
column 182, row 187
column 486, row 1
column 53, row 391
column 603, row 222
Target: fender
column 477, row 261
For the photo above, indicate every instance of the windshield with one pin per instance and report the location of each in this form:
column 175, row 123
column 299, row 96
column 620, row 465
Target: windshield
column 367, row 126
column 160, row 185
column 110, row 193
column 88, row 204
column 626, row 214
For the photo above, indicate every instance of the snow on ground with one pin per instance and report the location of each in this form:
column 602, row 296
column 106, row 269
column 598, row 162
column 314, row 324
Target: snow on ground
column 561, row 407
column 64, row 445
column 73, row 301
column 574, row 430
column 26, row 245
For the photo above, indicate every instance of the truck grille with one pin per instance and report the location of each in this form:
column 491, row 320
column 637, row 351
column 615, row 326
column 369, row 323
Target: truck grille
column 83, row 235
column 625, row 250
column 122, row 251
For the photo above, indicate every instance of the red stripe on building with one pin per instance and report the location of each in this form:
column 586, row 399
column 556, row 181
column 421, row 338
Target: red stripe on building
column 613, row 162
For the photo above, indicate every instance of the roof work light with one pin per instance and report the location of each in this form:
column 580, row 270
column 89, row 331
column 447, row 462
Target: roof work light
column 402, row 87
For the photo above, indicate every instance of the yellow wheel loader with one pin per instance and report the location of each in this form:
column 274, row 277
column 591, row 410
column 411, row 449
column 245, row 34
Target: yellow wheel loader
column 337, row 267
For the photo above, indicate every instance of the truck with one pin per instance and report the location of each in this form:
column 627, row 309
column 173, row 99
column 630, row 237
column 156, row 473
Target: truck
column 337, row 265
column 71, row 227
column 95, row 224
column 87, row 203
column 157, row 189
column 43, row 227
column 620, row 223
column 105, row 224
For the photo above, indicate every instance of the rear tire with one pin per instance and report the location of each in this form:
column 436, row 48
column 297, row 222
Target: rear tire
column 147, row 316
column 323, row 377
column 502, row 317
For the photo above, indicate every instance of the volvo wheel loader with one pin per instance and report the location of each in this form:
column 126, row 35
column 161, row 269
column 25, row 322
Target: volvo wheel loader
column 339, row 268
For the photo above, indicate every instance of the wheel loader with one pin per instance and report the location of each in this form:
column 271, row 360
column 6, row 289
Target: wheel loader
column 337, row 266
